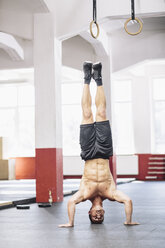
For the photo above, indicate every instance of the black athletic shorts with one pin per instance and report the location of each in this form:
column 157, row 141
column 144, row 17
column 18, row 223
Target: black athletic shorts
column 96, row 140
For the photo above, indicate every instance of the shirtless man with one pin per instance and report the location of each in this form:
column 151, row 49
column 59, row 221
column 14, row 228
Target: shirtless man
column 97, row 183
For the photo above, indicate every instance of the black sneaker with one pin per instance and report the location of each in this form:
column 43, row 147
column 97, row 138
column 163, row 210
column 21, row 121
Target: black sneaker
column 97, row 68
column 87, row 68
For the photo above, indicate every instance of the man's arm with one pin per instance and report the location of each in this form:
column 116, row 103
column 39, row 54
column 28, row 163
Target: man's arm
column 75, row 199
column 121, row 197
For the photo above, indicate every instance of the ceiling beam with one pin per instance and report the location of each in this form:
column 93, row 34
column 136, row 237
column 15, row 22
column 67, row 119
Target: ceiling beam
column 11, row 46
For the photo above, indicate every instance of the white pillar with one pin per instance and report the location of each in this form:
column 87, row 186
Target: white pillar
column 141, row 115
column 48, row 124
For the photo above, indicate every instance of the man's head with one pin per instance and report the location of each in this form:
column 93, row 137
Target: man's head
column 96, row 214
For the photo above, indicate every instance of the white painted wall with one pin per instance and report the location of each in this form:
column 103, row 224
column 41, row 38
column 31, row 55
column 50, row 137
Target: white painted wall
column 73, row 165
column 11, row 169
column 127, row 165
column 141, row 77
column 75, row 51
column 127, row 50
column 141, row 110
column 7, row 63
column 15, row 21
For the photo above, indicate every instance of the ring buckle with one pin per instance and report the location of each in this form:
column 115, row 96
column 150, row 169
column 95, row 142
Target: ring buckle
column 91, row 31
column 140, row 28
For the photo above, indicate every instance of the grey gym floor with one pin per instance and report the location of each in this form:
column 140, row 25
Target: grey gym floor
column 38, row 227
column 13, row 190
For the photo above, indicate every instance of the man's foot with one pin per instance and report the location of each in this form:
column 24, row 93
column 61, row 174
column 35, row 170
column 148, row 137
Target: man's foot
column 97, row 67
column 65, row 225
column 131, row 223
column 87, row 68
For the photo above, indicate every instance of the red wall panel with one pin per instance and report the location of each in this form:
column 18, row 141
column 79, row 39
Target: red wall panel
column 25, row 168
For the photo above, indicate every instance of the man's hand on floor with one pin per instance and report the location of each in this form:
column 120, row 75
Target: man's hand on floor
column 66, row 225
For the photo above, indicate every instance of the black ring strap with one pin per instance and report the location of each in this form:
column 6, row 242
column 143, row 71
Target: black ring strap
column 133, row 9
column 94, row 11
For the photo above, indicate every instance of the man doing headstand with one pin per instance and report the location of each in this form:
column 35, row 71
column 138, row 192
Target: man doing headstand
column 97, row 183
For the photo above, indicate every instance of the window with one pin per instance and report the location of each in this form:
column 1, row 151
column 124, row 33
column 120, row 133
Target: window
column 123, row 116
column 159, row 114
column 71, row 117
column 8, row 96
column 17, row 119
column 7, row 122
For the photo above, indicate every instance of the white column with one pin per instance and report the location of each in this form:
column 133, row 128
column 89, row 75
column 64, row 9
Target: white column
column 47, row 65
column 141, row 115
column 48, row 124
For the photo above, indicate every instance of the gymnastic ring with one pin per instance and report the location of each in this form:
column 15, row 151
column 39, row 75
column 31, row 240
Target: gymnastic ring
column 98, row 30
column 140, row 29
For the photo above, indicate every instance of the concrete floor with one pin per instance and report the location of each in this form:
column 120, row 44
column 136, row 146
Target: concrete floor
column 38, row 227
column 13, row 190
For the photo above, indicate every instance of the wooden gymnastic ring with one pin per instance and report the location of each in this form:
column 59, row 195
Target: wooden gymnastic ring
column 98, row 30
column 140, row 29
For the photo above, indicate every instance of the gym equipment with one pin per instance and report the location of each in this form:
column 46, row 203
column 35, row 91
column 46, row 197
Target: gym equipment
column 133, row 18
column 6, row 205
column 44, row 205
column 47, row 204
column 94, row 21
column 23, row 207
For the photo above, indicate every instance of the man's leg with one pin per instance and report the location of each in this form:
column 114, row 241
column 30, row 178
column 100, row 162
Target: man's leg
column 86, row 101
column 100, row 100
column 86, row 104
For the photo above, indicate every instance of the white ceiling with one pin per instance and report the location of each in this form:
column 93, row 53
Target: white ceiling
column 72, row 17
column 26, row 6
column 149, row 23
column 142, row 69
